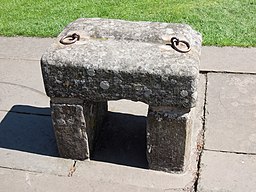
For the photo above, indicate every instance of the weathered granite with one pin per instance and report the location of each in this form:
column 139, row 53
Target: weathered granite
column 115, row 59
column 168, row 138
column 76, row 126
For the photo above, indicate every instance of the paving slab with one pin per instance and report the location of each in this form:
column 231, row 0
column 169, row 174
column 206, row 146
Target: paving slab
column 231, row 113
column 13, row 95
column 31, row 162
column 129, row 176
column 22, row 72
column 19, row 181
column 89, row 175
column 229, row 59
column 227, row 172
column 28, row 48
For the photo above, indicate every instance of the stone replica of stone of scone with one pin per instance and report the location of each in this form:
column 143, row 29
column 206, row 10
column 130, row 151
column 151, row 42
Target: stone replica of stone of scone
column 96, row 60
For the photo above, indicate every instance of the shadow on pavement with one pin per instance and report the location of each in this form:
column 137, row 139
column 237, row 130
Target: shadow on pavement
column 29, row 129
column 122, row 139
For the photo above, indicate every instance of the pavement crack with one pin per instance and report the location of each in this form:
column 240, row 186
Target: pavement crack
column 72, row 169
column 23, row 86
column 201, row 139
column 19, row 59
column 227, row 72
column 232, row 152
column 31, row 171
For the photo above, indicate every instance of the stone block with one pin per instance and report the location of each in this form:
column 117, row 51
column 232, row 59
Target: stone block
column 116, row 59
column 168, row 138
column 76, row 126
column 97, row 60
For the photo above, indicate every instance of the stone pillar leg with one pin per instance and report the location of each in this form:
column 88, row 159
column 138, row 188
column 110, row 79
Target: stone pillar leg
column 75, row 124
column 168, row 138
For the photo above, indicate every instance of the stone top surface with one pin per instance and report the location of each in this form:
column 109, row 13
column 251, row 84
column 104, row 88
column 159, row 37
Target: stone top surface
column 155, row 32
column 127, row 46
column 116, row 59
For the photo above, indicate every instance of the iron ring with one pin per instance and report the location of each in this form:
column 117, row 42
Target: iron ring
column 175, row 42
column 69, row 39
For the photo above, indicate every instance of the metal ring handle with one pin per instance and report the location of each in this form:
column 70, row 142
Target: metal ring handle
column 69, row 39
column 175, row 42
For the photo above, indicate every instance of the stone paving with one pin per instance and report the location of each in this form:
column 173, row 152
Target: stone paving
column 29, row 157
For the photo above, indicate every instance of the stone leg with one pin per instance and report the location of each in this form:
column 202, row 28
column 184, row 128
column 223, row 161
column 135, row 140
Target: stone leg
column 75, row 124
column 168, row 138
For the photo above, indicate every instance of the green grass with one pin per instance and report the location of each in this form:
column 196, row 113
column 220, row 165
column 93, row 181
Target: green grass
column 222, row 22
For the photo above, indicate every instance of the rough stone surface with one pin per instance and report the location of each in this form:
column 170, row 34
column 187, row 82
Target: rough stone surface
column 117, row 59
column 227, row 172
column 76, row 126
column 70, row 130
column 168, row 138
column 122, row 138
column 231, row 113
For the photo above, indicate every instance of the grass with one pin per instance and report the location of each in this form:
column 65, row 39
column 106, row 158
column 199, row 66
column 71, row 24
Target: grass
column 222, row 22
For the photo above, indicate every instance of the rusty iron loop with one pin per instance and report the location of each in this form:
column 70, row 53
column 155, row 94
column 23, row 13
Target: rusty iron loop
column 175, row 42
column 69, row 39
